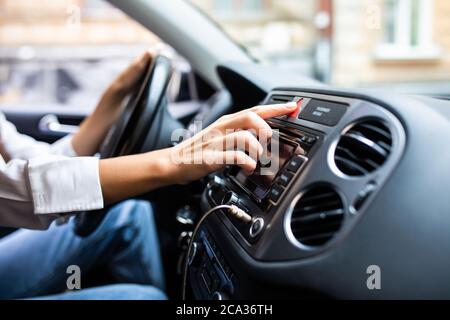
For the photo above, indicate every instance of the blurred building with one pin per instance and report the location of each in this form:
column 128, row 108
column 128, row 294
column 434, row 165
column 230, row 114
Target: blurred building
column 67, row 22
column 405, row 43
column 273, row 31
column 402, row 43
column 64, row 52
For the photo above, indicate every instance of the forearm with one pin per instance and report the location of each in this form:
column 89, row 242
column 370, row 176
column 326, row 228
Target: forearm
column 94, row 128
column 129, row 176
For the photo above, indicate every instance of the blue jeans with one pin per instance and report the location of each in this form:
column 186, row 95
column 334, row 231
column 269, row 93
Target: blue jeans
column 33, row 264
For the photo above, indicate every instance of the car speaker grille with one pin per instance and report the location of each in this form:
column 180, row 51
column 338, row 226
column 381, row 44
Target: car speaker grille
column 363, row 148
column 317, row 216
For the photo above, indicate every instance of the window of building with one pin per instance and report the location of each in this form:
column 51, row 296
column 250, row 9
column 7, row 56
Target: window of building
column 407, row 30
column 228, row 6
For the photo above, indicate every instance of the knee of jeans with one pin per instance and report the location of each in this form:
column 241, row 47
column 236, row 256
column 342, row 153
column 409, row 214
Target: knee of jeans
column 140, row 211
column 142, row 292
column 138, row 292
column 129, row 213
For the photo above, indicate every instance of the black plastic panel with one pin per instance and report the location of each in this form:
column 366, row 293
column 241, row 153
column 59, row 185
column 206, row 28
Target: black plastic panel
column 402, row 226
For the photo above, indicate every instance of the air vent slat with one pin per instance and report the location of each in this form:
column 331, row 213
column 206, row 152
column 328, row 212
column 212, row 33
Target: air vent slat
column 368, row 164
column 317, row 216
column 318, row 207
column 366, row 143
column 281, row 99
column 370, row 127
column 317, row 239
column 363, row 148
column 385, row 146
column 351, row 167
column 316, row 197
column 320, row 216
column 302, row 233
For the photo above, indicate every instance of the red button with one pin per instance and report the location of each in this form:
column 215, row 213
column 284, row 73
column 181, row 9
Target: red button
column 295, row 113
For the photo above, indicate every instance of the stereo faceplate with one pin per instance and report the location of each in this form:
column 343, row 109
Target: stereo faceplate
column 259, row 195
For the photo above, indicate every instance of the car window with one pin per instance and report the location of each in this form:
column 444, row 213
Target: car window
column 64, row 52
column 401, row 45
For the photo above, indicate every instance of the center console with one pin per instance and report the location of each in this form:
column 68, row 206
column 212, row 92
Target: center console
column 330, row 161
column 258, row 193
column 262, row 190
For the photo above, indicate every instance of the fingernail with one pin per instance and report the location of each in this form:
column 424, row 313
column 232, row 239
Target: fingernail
column 291, row 104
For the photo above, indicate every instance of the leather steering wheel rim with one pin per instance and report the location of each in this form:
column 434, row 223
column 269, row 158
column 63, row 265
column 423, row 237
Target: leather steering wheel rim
column 128, row 134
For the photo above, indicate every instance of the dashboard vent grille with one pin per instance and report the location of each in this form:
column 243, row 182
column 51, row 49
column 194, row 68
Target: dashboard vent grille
column 278, row 98
column 363, row 148
column 317, row 216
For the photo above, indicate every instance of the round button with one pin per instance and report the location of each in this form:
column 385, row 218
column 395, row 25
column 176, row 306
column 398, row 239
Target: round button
column 256, row 227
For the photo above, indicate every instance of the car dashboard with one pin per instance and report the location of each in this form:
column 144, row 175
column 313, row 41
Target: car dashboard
column 360, row 183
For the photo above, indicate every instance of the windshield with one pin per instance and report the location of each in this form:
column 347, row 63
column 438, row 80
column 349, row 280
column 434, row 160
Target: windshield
column 402, row 45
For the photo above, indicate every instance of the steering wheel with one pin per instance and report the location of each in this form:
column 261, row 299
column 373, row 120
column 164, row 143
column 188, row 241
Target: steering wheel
column 137, row 130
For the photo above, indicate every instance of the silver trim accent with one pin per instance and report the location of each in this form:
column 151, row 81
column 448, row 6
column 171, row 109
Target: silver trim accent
column 193, row 253
column 217, row 296
column 288, row 216
column 367, row 142
column 233, row 198
column 250, row 230
column 398, row 144
column 50, row 124
column 287, row 224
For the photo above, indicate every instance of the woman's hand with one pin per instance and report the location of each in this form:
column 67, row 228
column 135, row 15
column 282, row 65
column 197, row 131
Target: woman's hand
column 94, row 128
column 123, row 84
column 233, row 139
column 229, row 140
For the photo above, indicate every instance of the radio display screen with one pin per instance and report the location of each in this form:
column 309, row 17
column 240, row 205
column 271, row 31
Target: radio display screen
column 260, row 181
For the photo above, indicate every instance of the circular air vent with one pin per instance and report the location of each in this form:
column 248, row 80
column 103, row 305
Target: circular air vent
column 363, row 148
column 317, row 216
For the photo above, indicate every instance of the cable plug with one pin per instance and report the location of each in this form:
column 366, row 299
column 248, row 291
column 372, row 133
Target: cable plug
column 240, row 214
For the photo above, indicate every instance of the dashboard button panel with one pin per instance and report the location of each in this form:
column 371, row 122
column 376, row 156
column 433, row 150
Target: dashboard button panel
column 211, row 273
column 285, row 177
column 311, row 164
column 275, row 192
column 295, row 163
column 324, row 112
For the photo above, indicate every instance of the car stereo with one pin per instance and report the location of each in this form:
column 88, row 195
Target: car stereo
column 260, row 192
column 286, row 153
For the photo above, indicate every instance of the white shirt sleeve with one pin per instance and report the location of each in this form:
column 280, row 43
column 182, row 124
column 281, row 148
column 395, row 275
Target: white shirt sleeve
column 14, row 145
column 40, row 183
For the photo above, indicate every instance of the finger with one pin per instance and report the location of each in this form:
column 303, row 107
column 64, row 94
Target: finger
column 220, row 159
column 137, row 67
column 245, row 141
column 248, row 120
column 143, row 59
column 238, row 140
column 131, row 75
column 240, row 159
column 274, row 110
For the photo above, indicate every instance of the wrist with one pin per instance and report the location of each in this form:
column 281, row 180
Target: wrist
column 165, row 167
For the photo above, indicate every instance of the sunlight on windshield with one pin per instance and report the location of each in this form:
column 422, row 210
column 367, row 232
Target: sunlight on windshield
column 395, row 44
